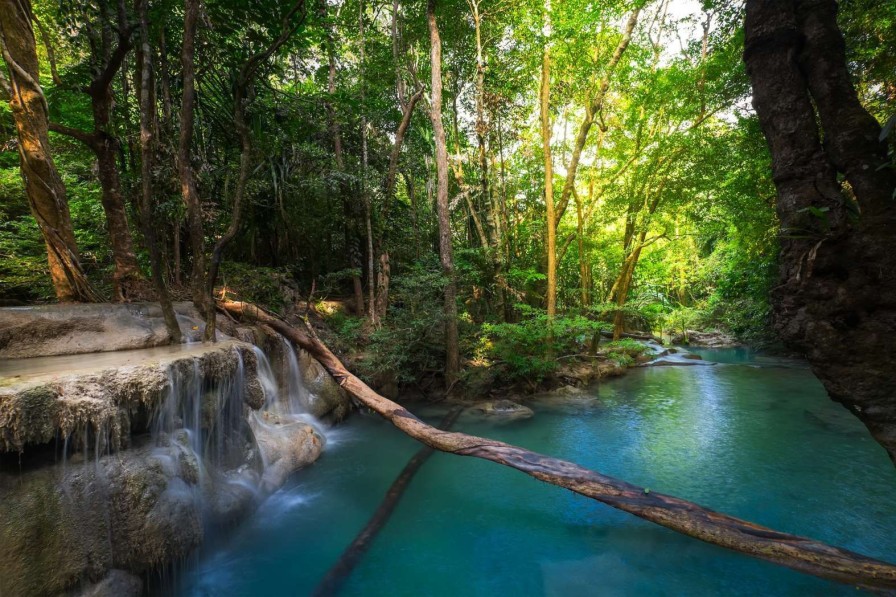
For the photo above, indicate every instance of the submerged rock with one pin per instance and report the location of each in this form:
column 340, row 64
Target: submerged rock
column 505, row 409
column 709, row 339
column 569, row 391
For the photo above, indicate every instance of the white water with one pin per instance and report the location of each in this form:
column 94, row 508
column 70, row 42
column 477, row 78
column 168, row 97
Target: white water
column 290, row 401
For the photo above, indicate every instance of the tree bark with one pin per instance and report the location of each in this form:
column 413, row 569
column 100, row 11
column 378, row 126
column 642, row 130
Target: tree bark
column 688, row 518
column 836, row 297
column 43, row 185
column 446, row 253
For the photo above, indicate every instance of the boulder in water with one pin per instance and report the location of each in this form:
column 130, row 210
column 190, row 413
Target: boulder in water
column 504, row 409
column 709, row 339
column 286, row 444
column 327, row 398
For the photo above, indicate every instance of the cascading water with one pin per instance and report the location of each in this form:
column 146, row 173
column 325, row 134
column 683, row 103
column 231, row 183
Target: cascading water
column 297, row 394
column 288, row 402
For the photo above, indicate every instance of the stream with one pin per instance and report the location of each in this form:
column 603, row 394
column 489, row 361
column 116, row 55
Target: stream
column 753, row 437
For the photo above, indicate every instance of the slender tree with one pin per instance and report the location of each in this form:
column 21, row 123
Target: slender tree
column 189, row 190
column 147, row 211
column 446, row 255
column 109, row 53
column 545, row 115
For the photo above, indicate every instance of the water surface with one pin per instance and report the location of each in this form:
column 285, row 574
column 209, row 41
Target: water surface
column 754, row 438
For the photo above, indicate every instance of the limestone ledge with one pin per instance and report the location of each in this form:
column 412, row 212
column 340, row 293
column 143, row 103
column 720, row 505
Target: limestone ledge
column 45, row 398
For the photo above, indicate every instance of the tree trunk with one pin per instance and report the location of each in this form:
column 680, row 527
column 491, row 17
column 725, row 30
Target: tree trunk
column 623, row 285
column 382, row 286
column 551, row 219
column 189, row 192
column 43, row 185
column 147, row 105
column 584, row 268
column 688, row 518
column 446, row 254
column 127, row 280
column 349, row 215
column 368, row 209
column 244, row 81
column 836, row 297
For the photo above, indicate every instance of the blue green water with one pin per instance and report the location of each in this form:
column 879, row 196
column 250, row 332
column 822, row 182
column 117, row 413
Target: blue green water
column 761, row 443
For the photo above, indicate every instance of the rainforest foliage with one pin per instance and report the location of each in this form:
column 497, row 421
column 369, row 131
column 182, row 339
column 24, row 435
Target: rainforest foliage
column 310, row 145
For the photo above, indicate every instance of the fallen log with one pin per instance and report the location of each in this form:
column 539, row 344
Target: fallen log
column 799, row 553
column 352, row 554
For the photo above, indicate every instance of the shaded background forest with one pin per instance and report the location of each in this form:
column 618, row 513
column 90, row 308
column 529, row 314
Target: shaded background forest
column 668, row 222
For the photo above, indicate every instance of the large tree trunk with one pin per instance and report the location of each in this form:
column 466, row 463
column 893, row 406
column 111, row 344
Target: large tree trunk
column 836, row 297
column 446, row 252
column 127, row 280
column 688, row 518
column 43, row 185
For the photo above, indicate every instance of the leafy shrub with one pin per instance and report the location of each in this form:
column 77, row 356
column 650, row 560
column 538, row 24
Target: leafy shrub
column 524, row 347
column 625, row 346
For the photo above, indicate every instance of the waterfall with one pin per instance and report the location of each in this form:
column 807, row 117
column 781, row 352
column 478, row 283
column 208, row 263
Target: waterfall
column 266, row 378
column 207, row 409
column 288, row 401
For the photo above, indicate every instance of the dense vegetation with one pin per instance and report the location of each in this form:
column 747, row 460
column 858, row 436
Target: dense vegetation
column 313, row 150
